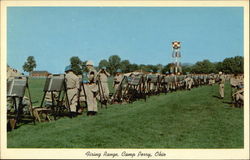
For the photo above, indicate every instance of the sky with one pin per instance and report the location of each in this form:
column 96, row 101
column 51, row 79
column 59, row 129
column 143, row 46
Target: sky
column 142, row 35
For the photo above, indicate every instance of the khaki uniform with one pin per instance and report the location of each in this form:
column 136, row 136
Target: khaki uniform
column 91, row 90
column 167, row 81
column 210, row 81
column 205, row 79
column 221, row 86
column 239, row 95
column 234, row 82
column 174, row 83
column 48, row 98
column 170, row 83
column 189, row 82
column 104, row 81
column 151, row 86
column 118, row 91
column 156, row 85
column 213, row 81
column 117, row 81
column 72, row 83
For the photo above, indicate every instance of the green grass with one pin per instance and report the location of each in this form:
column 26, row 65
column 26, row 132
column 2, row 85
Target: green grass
column 183, row 119
column 36, row 90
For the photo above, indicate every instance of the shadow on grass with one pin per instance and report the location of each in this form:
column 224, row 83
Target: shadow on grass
column 216, row 97
column 226, row 102
column 19, row 124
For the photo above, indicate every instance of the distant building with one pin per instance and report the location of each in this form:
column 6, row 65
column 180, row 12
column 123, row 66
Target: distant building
column 39, row 74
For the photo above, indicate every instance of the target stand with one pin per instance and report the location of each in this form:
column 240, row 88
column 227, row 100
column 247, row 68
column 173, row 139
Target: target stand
column 135, row 89
column 118, row 96
column 153, row 80
column 16, row 89
column 82, row 90
column 55, row 87
column 103, row 100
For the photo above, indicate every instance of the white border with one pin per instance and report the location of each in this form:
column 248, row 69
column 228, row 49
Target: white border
column 79, row 153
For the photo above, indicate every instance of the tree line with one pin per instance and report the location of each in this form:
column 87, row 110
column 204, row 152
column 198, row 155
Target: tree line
column 230, row 65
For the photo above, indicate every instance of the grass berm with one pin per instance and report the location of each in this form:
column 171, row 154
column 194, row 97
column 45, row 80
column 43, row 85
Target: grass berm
column 182, row 119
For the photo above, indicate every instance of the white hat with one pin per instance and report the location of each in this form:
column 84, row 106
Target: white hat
column 220, row 72
column 90, row 63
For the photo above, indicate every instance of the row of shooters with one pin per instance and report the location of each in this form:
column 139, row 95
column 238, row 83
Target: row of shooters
column 127, row 87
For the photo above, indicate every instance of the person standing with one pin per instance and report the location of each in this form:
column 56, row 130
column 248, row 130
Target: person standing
column 221, row 84
column 117, row 88
column 239, row 94
column 117, row 79
column 91, row 89
column 103, row 77
column 150, row 85
column 188, row 82
column 210, row 81
column 73, row 86
column 167, row 81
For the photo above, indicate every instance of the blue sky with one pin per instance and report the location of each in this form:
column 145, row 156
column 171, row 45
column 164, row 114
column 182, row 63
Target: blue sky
column 143, row 35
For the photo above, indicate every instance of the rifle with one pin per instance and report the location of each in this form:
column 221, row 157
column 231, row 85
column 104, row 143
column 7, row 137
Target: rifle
column 78, row 97
column 100, row 90
column 119, row 90
column 83, row 88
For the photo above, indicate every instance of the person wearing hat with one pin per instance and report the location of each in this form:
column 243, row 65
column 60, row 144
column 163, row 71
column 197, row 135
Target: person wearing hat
column 117, row 79
column 239, row 95
column 167, row 81
column 91, row 89
column 150, row 86
column 157, row 84
column 73, row 86
column 173, row 80
column 210, row 80
column 188, row 81
column 221, row 85
column 117, row 90
column 103, row 77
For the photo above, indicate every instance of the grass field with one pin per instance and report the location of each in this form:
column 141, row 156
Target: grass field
column 182, row 119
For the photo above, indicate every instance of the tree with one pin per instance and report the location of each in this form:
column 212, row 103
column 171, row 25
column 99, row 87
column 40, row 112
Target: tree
column 76, row 65
column 142, row 67
column 233, row 65
column 159, row 67
column 166, row 68
column 204, row 66
column 148, row 67
column 218, row 66
column 132, row 67
column 114, row 63
column 103, row 63
column 186, row 68
column 30, row 64
column 84, row 68
column 125, row 66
